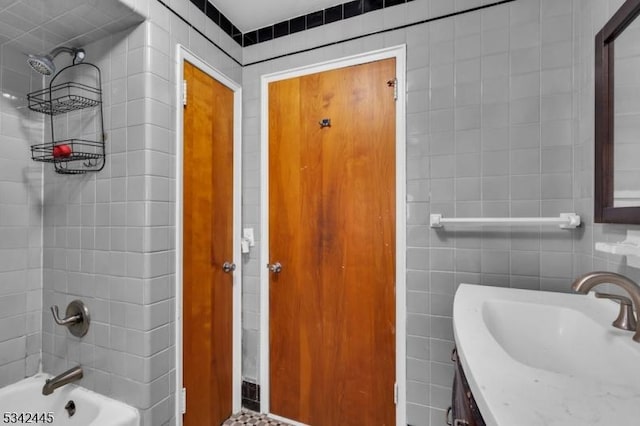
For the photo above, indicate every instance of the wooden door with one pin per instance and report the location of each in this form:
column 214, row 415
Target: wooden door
column 332, row 228
column 207, row 230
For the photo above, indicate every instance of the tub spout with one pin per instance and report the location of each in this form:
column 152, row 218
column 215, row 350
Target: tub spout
column 67, row 377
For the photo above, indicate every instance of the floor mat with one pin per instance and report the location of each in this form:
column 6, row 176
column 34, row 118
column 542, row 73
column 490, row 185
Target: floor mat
column 251, row 418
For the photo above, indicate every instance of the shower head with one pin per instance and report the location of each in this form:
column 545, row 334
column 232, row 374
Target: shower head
column 44, row 63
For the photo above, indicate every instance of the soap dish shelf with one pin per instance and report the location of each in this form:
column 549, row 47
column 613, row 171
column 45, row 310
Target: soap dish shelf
column 64, row 98
column 88, row 152
column 71, row 156
column 629, row 248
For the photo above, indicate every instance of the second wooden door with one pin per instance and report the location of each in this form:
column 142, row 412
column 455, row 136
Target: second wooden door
column 332, row 246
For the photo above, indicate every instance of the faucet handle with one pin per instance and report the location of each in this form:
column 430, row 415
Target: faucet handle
column 66, row 321
column 620, row 299
column 77, row 318
column 626, row 318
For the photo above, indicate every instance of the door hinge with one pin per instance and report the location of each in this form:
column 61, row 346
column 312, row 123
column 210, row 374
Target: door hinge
column 184, row 92
column 183, row 400
column 394, row 83
column 395, row 393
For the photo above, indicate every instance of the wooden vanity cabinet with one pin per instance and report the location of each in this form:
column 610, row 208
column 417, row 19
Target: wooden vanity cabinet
column 464, row 410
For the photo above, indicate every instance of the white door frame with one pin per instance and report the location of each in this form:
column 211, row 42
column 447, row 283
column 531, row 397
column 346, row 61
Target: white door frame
column 398, row 52
column 184, row 55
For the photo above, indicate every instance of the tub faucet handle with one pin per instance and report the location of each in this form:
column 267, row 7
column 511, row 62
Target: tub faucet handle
column 65, row 321
column 77, row 318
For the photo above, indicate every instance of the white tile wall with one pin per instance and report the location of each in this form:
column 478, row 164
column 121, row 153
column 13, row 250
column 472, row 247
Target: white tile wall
column 591, row 17
column 500, row 122
column 109, row 237
column 492, row 128
column 20, row 222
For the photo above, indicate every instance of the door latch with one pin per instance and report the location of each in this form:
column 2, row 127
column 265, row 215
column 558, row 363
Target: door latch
column 276, row 268
column 228, row 267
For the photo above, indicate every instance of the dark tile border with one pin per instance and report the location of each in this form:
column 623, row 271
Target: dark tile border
column 293, row 25
column 213, row 14
column 333, row 14
column 323, row 17
column 300, row 23
column 424, row 21
column 251, row 395
column 219, row 19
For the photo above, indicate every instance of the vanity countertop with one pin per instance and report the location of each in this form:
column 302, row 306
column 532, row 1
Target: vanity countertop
column 535, row 358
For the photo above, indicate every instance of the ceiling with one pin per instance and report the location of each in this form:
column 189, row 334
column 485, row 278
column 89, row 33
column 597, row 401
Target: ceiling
column 250, row 15
column 38, row 26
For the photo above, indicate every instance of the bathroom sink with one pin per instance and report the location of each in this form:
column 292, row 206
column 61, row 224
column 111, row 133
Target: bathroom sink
column 560, row 339
column 542, row 358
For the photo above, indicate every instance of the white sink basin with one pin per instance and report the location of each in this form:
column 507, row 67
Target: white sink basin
column 543, row 359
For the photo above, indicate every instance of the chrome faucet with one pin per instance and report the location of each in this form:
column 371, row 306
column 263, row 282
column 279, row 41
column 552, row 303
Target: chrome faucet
column 586, row 282
column 67, row 377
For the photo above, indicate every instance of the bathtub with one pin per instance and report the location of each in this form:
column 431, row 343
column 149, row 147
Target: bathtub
column 91, row 409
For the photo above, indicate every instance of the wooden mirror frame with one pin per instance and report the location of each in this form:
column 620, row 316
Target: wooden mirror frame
column 604, row 76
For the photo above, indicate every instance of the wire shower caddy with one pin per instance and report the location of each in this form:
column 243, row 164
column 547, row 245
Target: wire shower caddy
column 71, row 156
